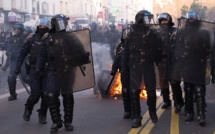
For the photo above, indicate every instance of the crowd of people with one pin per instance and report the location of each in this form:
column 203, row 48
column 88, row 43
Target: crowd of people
column 160, row 53
column 140, row 50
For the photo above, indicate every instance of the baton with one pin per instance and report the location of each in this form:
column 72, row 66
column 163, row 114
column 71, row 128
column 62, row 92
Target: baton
column 82, row 70
column 109, row 84
column 20, row 77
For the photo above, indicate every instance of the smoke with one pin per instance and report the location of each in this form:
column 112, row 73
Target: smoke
column 101, row 57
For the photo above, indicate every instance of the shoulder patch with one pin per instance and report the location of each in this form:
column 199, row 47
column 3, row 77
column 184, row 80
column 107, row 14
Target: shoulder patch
column 29, row 37
column 45, row 36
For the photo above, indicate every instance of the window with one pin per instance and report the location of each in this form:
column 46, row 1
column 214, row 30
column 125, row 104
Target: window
column 53, row 9
column 33, row 6
column 38, row 7
column 67, row 11
column 13, row 4
column 26, row 5
column 86, row 7
column 45, row 8
column 61, row 7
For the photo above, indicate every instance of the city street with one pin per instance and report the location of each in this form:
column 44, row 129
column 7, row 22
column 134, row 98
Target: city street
column 93, row 115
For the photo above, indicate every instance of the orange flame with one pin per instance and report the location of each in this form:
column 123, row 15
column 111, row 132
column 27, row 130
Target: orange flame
column 143, row 94
column 117, row 86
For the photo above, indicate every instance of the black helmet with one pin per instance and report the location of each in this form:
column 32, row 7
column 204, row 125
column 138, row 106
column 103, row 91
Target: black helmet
column 165, row 16
column 192, row 15
column 28, row 30
column 59, row 22
column 19, row 26
column 112, row 26
column 144, row 16
column 93, row 25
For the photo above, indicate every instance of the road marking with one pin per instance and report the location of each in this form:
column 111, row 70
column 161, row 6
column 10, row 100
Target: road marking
column 150, row 125
column 174, row 123
column 8, row 94
column 145, row 118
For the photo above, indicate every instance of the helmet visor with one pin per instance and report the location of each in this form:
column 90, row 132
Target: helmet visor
column 44, row 22
column 61, row 24
column 192, row 16
column 18, row 27
column 149, row 19
column 164, row 16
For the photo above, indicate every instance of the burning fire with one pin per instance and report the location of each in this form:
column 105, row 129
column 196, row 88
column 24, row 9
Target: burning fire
column 117, row 86
column 116, row 89
column 143, row 94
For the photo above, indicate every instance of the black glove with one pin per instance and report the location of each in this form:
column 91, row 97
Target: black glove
column 36, row 74
column 112, row 73
column 123, row 69
column 17, row 70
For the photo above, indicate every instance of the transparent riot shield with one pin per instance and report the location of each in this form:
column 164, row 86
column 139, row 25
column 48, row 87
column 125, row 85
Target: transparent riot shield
column 73, row 60
column 192, row 51
column 148, row 68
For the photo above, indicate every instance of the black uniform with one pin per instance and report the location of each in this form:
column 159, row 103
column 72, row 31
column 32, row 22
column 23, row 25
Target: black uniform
column 111, row 38
column 142, row 51
column 124, row 79
column 190, row 62
column 54, row 86
column 96, row 36
column 15, row 45
column 5, row 47
column 38, row 86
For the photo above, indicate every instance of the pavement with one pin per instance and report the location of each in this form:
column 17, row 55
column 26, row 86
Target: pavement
column 94, row 115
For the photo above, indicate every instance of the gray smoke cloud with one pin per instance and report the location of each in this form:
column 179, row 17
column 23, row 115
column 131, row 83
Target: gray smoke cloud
column 101, row 57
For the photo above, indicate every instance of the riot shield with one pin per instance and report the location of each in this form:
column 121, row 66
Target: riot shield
column 73, row 60
column 148, row 69
column 192, row 51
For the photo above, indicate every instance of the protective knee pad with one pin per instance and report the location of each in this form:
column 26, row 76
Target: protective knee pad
column 68, row 102
column 151, row 101
column 188, row 88
column 32, row 100
column 126, row 93
column 11, row 79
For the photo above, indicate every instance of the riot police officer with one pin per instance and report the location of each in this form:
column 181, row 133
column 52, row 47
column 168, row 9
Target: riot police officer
column 28, row 31
column 96, row 36
column 5, row 47
column 166, row 30
column 38, row 86
column 59, row 23
column 111, row 38
column 15, row 45
column 124, row 77
column 192, row 50
column 142, row 50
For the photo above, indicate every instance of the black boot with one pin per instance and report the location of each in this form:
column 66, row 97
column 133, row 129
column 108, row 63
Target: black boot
column 151, row 102
column 178, row 107
column 42, row 112
column 54, row 108
column 189, row 117
column 167, row 101
column 177, row 95
column 188, row 88
column 200, row 104
column 12, row 90
column 127, row 103
column 135, row 105
column 31, row 101
column 68, row 103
